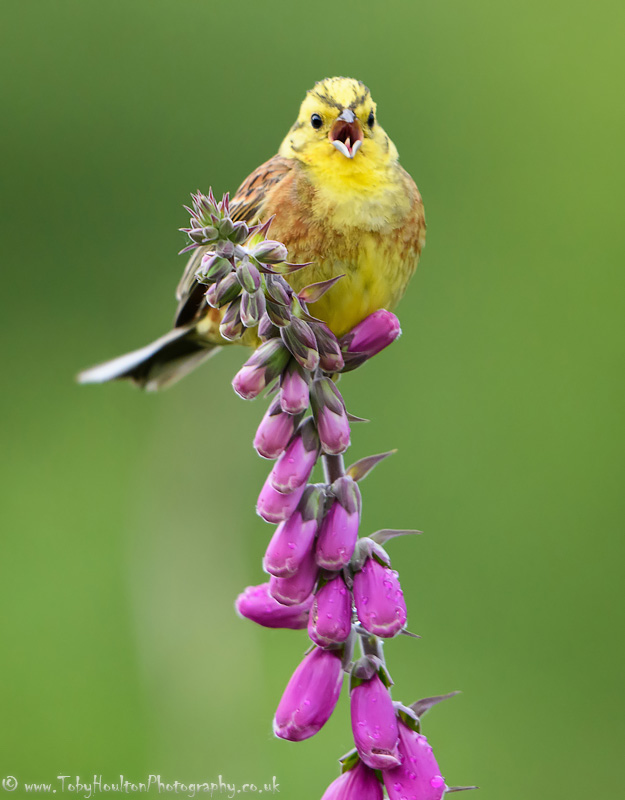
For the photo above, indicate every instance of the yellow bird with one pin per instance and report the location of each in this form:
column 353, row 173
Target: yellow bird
column 340, row 200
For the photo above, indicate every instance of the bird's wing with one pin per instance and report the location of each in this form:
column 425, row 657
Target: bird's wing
column 247, row 205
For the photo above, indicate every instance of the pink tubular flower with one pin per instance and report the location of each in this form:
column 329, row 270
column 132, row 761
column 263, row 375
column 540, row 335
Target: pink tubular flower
column 274, row 506
column 299, row 586
column 249, row 381
column 330, row 416
column 257, row 604
column 379, row 600
column 334, row 430
column 294, row 390
column 359, row 783
column 289, row 546
column 418, row 777
column 339, row 529
column 260, row 369
column 374, row 724
column 274, row 432
column 294, row 466
column 373, row 334
column 330, row 356
column 330, row 620
column 310, row 696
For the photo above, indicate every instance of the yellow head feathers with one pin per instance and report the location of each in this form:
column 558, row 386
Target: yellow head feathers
column 337, row 130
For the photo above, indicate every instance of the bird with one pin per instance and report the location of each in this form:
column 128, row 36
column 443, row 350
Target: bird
column 340, row 202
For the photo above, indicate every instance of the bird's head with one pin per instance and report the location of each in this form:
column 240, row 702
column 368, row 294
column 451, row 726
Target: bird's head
column 337, row 129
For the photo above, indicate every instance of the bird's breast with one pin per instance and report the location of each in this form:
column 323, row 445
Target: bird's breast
column 373, row 239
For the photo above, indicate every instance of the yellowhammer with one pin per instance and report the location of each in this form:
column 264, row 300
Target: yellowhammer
column 340, row 200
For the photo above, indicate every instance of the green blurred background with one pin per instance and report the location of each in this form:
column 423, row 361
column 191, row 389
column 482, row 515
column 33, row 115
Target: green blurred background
column 128, row 524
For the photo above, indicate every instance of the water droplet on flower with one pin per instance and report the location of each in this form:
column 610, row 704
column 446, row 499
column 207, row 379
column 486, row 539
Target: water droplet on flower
column 437, row 781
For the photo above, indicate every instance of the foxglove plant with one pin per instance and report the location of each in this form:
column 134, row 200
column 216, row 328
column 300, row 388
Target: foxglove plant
column 322, row 576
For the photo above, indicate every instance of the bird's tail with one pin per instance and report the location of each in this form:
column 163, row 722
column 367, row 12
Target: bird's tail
column 157, row 365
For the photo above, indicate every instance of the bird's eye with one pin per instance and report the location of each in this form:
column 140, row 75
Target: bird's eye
column 371, row 120
column 316, row 121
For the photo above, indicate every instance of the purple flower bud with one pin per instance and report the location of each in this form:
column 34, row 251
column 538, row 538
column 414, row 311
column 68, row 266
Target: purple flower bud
column 225, row 248
column 296, row 588
column 226, row 227
column 260, row 369
column 379, row 600
column 330, row 620
column 359, row 782
column 213, row 268
column 294, row 389
column 274, row 506
column 248, row 276
column 252, row 308
column 373, row 334
column 266, row 328
column 270, row 252
column 330, row 356
column 339, row 529
column 374, row 724
column 274, row 432
column 418, row 777
column 290, row 545
column 278, row 289
column 249, row 381
column 279, row 315
column 240, row 232
column 231, row 327
column 294, row 466
column 330, row 416
column 333, row 431
column 224, row 291
column 300, row 339
column 257, row 604
column 210, row 232
column 310, row 696
column 201, row 236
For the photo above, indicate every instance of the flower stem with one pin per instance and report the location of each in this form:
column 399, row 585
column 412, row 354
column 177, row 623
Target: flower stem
column 372, row 646
column 333, row 467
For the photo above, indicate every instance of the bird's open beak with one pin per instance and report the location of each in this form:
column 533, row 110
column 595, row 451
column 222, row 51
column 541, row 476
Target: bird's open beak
column 346, row 134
